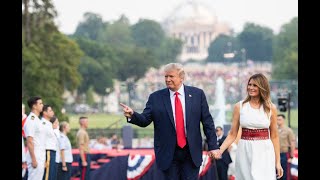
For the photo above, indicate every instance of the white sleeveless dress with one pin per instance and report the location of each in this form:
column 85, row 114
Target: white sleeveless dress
column 255, row 159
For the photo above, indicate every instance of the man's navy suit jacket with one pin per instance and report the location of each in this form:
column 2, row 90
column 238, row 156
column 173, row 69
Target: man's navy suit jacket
column 159, row 111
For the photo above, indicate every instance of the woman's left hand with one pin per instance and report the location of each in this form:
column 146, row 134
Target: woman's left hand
column 279, row 171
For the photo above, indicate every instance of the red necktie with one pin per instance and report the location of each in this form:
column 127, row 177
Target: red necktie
column 181, row 136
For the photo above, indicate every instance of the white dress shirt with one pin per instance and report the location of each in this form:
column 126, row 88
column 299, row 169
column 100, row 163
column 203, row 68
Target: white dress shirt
column 183, row 103
column 51, row 139
column 65, row 145
column 35, row 128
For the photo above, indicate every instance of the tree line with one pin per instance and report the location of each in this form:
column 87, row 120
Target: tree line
column 260, row 44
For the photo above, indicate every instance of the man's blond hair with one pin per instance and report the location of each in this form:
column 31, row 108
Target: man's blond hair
column 175, row 66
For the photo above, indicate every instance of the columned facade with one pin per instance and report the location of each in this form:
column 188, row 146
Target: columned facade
column 196, row 26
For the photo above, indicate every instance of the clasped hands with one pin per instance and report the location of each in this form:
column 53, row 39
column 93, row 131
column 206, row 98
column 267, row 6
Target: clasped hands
column 215, row 154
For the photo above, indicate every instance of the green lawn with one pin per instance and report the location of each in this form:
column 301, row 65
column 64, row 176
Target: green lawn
column 98, row 120
column 112, row 121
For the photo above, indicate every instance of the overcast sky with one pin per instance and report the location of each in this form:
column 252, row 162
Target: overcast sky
column 270, row 13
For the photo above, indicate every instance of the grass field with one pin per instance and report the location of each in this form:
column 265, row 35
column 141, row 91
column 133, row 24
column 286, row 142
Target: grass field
column 112, row 121
column 107, row 124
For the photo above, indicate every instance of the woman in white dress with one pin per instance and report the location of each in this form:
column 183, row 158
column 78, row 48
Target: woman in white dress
column 258, row 152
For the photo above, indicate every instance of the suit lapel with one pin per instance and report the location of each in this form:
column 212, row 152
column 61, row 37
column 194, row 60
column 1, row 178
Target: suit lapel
column 188, row 104
column 167, row 104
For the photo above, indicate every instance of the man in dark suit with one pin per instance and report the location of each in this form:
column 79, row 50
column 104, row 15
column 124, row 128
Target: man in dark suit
column 176, row 113
column 223, row 163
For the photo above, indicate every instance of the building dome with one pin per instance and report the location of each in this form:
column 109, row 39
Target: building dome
column 196, row 25
column 191, row 12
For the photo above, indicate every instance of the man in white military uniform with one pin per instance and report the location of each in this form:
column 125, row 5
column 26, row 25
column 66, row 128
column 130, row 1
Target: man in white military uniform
column 35, row 133
column 50, row 171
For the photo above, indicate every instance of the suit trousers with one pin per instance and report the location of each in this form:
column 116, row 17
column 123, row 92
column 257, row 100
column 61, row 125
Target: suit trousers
column 182, row 166
column 222, row 169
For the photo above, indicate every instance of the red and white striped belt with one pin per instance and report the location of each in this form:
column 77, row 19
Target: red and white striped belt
column 255, row 134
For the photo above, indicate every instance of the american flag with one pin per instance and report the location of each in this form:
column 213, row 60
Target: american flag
column 138, row 165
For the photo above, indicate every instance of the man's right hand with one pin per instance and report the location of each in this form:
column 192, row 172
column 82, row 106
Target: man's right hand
column 24, row 165
column 216, row 154
column 127, row 111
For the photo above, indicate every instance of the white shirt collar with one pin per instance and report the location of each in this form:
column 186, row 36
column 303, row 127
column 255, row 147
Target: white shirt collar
column 42, row 118
column 180, row 91
column 33, row 114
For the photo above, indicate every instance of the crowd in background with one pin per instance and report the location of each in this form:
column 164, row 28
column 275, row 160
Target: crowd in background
column 204, row 77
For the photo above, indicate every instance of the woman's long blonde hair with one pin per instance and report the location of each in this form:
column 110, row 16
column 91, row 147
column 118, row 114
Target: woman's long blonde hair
column 264, row 91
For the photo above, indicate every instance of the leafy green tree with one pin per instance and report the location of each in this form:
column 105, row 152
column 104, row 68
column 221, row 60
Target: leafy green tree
column 96, row 68
column 99, row 66
column 133, row 65
column 135, row 62
column 36, row 14
column 94, row 75
column 168, row 51
column 223, row 44
column 117, row 34
column 285, row 61
column 89, row 96
column 257, row 41
column 49, row 59
column 148, row 34
column 49, row 68
column 91, row 26
column 91, row 48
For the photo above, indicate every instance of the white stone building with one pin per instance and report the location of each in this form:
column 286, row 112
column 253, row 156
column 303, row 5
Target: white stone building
column 197, row 26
